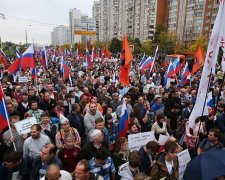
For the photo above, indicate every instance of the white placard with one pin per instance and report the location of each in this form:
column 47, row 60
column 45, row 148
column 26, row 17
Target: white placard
column 70, row 89
column 114, row 117
column 136, row 141
column 163, row 139
column 23, row 127
column 23, row 79
column 183, row 158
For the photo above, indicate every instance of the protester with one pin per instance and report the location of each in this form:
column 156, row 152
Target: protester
column 166, row 165
column 32, row 146
column 34, row 111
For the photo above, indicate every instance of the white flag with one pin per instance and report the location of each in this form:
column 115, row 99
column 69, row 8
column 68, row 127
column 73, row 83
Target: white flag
column 156, row 51
column 209, row 65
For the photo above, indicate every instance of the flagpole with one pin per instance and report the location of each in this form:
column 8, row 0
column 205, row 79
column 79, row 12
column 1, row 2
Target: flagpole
column 7, row 118
column 203, row 108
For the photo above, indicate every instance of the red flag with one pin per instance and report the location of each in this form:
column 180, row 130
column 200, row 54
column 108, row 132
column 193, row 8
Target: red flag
column 14, row 67
column 3, row 111
column 126, row 58
column 199, row 60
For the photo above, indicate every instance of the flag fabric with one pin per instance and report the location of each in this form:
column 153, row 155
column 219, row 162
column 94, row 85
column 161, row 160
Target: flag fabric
column 199, row 60
column 185, row 74
column 27, row 59
column 103, row 54
column 3, row 111
column 33, row 72
column 177, row 65
column 3, row 58
column 14, row 67
column 44, row 61
column 153, row 63
column 143, row 60
column 70, row 80
column 123, row 124
column 209, row 65
column 108, row 54
column 126, row 58
column 88, row 60
column 18, row 55
column 92, row 54
column 209, row 100
column 148, row 62
column 170, row 72
column 64, row 69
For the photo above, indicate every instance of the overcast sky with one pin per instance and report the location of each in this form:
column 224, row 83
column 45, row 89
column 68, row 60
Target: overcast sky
column 24, row 15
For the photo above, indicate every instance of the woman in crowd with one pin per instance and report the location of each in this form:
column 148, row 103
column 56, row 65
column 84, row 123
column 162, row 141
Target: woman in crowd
column 112, row 130
column 160, row 126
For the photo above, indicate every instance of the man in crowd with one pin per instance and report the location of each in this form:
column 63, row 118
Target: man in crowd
column 34, row 111
column 33, row 145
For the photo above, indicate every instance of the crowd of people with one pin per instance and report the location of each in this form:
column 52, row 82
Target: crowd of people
column 77, row 132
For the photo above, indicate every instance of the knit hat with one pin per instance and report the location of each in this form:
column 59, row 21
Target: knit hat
column 95, row 134
column 63, row 119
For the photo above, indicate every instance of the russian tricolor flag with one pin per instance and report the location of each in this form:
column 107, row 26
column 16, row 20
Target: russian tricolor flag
column 147, row 63
column 170, row 72
column 143, row 59
column 88, row 60
column 3, row 58
column 18, row 55
column 123, row 124
column 14, row 67
column 4, row 116
column 177, row 65
column 185, row 75
column 65, row 69
column 27, row 59
column 44, row 61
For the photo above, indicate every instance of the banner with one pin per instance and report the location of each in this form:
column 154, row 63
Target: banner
column 183, row 158
column 209, row 65
column 136, row 141
column 23, row 127
column 23, row 79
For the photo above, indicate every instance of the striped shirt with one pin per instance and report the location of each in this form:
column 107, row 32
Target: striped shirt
column 103, row 170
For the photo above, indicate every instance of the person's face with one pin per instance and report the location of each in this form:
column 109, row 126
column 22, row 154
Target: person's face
column 79, row 173
column 47, row 97
column 31, row 92
column 34, row 106
column 99, row 138
column 211, row 136
column 124, row 146
column 134, row 129
column 65, row 126
column 141, row 100
column 45, row 154
column 94, row 100
column 159, row 101
column 177, row 94
column 45, row 120
column 64, row 91
column 147, row 105
column 93, row 108
column 173, row 155
column 17, row 89
column 69, row 144
column 10, row 108
column 100, row 125
column 110, row 121
column 161, row 120
column 34, row 133
column 54, row 176
column 14, row 120
column 109, row 110
column 25, row 98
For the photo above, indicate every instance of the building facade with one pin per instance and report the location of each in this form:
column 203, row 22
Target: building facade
column 60, row 35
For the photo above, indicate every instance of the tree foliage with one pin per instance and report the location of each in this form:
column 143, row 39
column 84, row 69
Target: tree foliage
column 147, row 47
column 200, row 42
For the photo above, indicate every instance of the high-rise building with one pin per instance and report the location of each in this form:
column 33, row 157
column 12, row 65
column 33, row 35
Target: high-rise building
column 189, row 19
column 136, row 18
column 60, row 35
column 81, row 22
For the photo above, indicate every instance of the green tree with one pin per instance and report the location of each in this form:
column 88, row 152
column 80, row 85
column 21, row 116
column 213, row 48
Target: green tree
column 147, row 47
column 200, row 42
column 115, row 45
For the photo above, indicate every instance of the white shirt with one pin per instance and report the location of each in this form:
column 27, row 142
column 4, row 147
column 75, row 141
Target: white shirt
column 64, row 176
column 169, row 167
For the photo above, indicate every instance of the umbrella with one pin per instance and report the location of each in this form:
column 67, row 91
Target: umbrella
column 206, row 166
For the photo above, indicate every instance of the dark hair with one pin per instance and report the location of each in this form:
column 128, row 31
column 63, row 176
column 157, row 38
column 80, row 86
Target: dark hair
column 216, row 132
column 99, row 120
column 12, row 156
column 14, row 117
column 25, row 94
column 118, row 143
column 160, row 116
column 38, row 127
column 75, row 106
column 45, row 114
column 107, row 117
column 52, row 148
column 132, row 124
column 176, row 106
column 153, row 146
column 33, row 102
column 67, row 96
column 102, row 153
column 134, row 159
column 86, row 165
column 170, row 146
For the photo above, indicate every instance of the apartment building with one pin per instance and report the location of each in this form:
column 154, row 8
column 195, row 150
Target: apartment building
column 60, row 35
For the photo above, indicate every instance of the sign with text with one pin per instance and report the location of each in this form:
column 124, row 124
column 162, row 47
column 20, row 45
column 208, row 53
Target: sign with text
column 23, row 127
column 136, row 141
column 183, row 158
column 23, row 79
column 163, row 139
